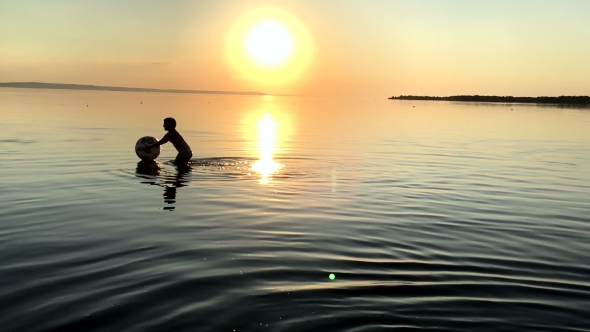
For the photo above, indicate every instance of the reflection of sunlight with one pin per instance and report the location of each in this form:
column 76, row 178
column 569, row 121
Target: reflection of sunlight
column 266, row 166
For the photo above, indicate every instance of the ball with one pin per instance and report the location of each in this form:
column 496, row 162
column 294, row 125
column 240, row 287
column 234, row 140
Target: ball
column 142, row 143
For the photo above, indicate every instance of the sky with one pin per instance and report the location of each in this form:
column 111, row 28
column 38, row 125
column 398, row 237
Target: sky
column 365, row 48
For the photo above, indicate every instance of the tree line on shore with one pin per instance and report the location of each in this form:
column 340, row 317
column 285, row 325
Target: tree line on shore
column 503, row 99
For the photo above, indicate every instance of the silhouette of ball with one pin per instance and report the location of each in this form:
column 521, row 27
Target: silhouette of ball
column 140, row 148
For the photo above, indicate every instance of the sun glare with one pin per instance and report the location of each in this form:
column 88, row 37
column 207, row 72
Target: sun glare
column 269, row 43
column 269, row 46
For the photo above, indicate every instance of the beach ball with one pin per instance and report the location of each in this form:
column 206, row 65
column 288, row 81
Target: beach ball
column 142, row 143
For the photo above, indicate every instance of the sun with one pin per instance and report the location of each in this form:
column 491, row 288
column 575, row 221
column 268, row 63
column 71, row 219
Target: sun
column 269, row 43
column 269, row 46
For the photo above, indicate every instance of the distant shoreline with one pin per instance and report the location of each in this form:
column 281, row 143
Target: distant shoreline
column 571, row 100
column 61, row 86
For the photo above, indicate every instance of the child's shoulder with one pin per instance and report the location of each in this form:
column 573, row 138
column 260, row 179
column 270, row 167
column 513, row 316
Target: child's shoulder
column 174, row 134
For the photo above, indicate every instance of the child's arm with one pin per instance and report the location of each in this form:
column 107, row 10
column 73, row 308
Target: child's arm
column 164, row 140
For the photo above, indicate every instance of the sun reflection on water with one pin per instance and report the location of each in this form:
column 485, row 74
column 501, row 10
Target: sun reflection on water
column 266, row 166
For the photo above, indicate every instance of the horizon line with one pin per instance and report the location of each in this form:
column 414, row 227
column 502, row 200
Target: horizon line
column 92, row 87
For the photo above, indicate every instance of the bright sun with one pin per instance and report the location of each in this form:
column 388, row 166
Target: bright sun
column 269, row 46
column 269, row 43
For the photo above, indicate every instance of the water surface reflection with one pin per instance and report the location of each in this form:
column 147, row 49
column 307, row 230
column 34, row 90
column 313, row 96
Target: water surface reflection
column 152, row 172
column 266, row 166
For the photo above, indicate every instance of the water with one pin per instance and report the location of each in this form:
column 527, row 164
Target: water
column 431, row 215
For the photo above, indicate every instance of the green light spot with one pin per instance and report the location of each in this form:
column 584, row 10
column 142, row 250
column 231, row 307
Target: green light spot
column 332, row 276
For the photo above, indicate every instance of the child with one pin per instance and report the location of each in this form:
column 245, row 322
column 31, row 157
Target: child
column 184, row 151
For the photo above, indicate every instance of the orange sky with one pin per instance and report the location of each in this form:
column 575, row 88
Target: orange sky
column 374, row 48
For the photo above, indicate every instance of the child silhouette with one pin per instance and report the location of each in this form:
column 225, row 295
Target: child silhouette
column 184, row 151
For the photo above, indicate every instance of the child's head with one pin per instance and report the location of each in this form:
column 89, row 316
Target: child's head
column 169, row 124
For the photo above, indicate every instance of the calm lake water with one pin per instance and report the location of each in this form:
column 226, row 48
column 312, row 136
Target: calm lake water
column 431, row 215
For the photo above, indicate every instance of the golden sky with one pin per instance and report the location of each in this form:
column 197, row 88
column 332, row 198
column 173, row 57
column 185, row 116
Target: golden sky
column 372, row 48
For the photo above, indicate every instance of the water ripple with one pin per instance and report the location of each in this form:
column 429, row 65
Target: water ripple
column 426, row 225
